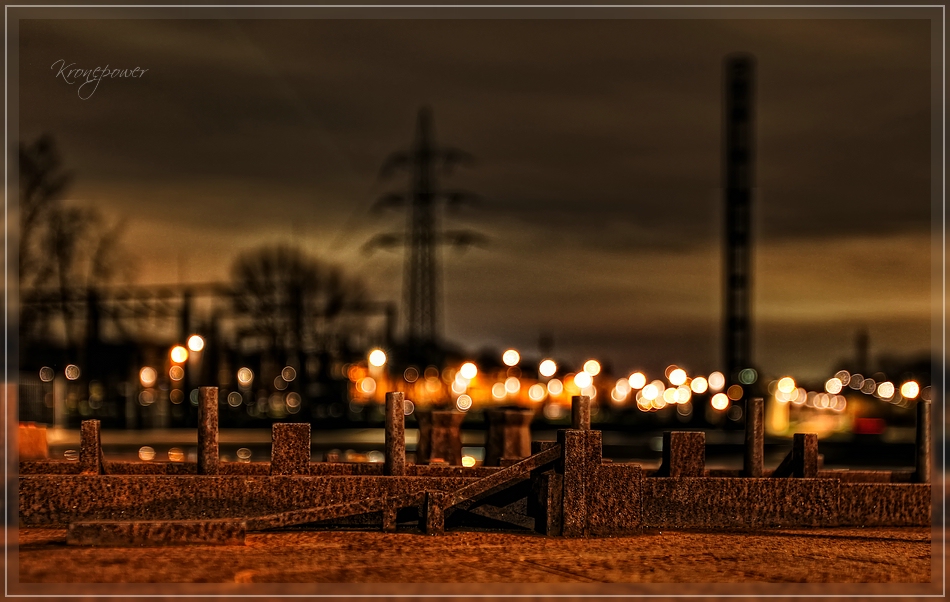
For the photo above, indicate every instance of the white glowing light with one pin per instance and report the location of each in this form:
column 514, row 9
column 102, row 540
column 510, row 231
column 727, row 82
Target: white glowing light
column 196, row 343
column 582, row 380
column 179, row 354
column 547, row 368
column 377, row 357
column 147, row 376
column 637, row 380
column 910, row 389
column 592, row 367
column 699, row 385
column 719, row 401
column 786, row 384
column 536, row 392
column 885, row 390
column 511, row 357
column 468, row 370
column 833, row 385
column 678, row 377
column 716, row 381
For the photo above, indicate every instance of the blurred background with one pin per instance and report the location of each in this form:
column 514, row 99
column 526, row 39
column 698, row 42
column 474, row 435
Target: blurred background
column 480, row 213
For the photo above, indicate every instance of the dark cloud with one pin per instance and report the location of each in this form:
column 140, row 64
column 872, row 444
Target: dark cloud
column 598, row 146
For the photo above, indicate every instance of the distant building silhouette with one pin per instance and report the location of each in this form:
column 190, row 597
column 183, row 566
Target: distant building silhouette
column 738, row 181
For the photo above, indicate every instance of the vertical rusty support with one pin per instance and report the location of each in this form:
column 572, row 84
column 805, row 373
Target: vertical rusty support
column 395, row 461
column 509, row 436
column 684, row 454
column 574, row 468
column 433, row 510
column 580, row 413
column 207, row 430
column 90, row 448
column 805, row 455
column 924, row 458
column 753, row 462
column 440, row 437
column 290, row 448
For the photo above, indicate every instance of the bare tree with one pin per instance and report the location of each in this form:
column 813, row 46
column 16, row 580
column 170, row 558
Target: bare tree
column 62, row 247
column 291, row 301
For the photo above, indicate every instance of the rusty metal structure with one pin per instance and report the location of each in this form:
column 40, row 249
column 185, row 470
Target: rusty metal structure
column 561, row 488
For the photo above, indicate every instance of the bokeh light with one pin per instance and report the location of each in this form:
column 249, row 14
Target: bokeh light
column 719, row 401
column 583, row 380
column 910, row 389
column 288, row 374
column 377, row 357
column 592, row 367
column 245, row 376
column 547, row 368
column 834, row 385
column 677, row 376
column 786, row 384
column 699, row 385
column 179, row 354
column 716, row 381
column 885, row 390
column 536, row 392
column 637, row 380
column 468, row 370
column 196, row 343
column 511, row 357
column 147, row 376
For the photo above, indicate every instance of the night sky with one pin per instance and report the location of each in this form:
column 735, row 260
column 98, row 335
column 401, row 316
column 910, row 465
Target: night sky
column 598, row 163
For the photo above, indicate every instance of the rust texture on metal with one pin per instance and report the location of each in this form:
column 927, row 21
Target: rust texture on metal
column 394, row 463
column 290, row 449
column 753, row 463
column 440, row 437
column 509, row 435
column 580, row 412
column 684, row 454
column 208, row 430
column 90, row 448
column 156, row 533
column 563, row 487
column 802, row 460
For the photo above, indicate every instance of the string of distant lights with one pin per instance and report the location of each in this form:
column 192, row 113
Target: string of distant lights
column 468, row 386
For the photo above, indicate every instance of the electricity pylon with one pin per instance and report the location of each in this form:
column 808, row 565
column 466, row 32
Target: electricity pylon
column 422, row 279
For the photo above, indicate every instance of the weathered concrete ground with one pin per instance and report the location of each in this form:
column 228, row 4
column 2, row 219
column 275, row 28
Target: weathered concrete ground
column 878, row 555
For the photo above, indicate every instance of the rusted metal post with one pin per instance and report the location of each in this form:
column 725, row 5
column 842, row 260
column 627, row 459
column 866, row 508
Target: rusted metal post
column 440, row 437
column 395, row 461
column 90, row 448
column 509, row 436
column 207, row 430
column 580, row 412
column 684, row 454
column 290, row 448
column 922, row 471
column 753, row 461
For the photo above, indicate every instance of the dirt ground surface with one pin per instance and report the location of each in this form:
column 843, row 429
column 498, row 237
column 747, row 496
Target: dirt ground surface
column 879, row 555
